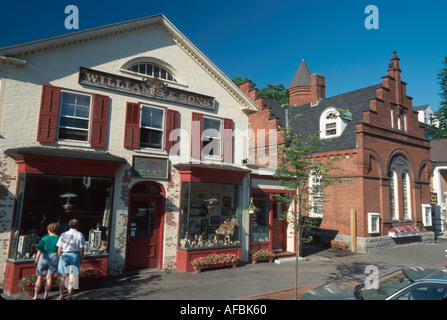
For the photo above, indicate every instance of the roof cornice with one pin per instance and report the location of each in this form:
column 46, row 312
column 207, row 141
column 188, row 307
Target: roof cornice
column 21, row 51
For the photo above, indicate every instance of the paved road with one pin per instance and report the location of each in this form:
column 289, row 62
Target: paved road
column 323, row 265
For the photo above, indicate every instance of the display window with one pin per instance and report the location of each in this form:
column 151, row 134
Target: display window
column 43, row 199
column 210, row 215
column 260, row 222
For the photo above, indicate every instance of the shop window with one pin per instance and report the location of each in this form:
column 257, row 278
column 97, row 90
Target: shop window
column 149, row 127
column 260, row 221
column 153, row 70
column 210, row 215
column 43, row 199
column 211, row 138
column 73, row 117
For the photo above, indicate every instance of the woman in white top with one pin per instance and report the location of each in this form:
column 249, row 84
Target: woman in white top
column 71, row 246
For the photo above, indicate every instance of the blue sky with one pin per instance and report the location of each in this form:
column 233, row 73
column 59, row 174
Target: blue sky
column 266, row 40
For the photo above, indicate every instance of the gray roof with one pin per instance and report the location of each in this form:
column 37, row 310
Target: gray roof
column 302, row 76
column 438, row 150
column 308, row 122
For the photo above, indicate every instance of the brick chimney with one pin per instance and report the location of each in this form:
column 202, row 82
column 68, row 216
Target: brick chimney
column 317, row 88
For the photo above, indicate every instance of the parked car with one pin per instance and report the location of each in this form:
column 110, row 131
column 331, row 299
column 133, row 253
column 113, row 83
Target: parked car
column 404, row 284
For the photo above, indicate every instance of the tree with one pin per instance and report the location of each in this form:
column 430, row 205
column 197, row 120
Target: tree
column 239, row 80
column 272, row 92
column 438, row 130
column 296, row 165
column 275, row 92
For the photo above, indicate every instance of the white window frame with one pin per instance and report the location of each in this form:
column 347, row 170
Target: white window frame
column 392, row 117
column 427, row 221
column 162, row 130
column 396, row 195
column 340, row 124
column 59, row 126
column 315, row 181
column 207, row 133
column 407, row 182
column 373, row 223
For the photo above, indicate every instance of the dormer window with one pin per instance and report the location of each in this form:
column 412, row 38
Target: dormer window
column 332, row 123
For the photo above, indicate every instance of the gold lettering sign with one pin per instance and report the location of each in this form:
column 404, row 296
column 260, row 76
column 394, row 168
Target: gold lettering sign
column 150, row 88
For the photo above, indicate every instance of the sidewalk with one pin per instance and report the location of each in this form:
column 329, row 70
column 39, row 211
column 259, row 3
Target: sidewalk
column 249, row 280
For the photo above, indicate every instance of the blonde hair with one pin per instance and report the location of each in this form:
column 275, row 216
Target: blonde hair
column 52, row 227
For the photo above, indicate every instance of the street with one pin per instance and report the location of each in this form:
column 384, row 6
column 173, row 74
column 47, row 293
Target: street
column 323, row 265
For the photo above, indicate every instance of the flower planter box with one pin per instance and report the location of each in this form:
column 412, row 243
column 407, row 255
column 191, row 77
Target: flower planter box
column 198, row 269
column 339, row 245
column 269, row 260
column 402, row 235
column 29, row 289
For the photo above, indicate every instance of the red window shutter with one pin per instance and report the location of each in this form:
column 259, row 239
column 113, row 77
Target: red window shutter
column 228, row 140
column 49, row 114
column 196, row 135
column 172, row 123
column 99, row 121
column 132, row 129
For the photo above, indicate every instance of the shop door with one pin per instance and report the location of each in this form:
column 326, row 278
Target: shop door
column 144, row 231
column 279, row 227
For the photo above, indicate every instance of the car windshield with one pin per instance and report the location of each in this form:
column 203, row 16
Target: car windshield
column 388, row 285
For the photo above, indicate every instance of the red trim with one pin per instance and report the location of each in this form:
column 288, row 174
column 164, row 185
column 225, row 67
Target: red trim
column 100, row 121
column 185, row 257
column 17, row 271
column 160, row 232
column 68, row 166
column 132, row 128
column 210, row 174
column 196, row 135
column 49, row 113
column 228, row 140
column 172, row 123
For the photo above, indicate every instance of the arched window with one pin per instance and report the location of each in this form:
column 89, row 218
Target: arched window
column 394, row 209
column 406, row 195
column 400, row 189
column 153, row 70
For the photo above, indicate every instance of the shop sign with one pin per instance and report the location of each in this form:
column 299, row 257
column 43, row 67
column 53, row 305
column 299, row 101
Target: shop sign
column 433, row 198
column 150, row 167
column 151, row 88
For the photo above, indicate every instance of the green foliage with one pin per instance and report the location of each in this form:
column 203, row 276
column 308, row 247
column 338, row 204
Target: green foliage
column 440, row 131
column 275, row 92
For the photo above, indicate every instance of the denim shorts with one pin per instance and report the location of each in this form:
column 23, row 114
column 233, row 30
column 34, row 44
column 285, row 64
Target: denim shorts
column 47, row 264
column 67, row 260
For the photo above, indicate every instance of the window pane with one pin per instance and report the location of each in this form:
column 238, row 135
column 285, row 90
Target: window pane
column 71, row 134
column 204, row 225
column 43, row 204
column 152, row 118
column 151, row 138
column 260, row 221
column 211, row 124
column 74, row 123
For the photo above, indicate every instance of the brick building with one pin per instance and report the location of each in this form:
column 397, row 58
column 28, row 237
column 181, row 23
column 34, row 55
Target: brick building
column 382, row 149
column 129, row 128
